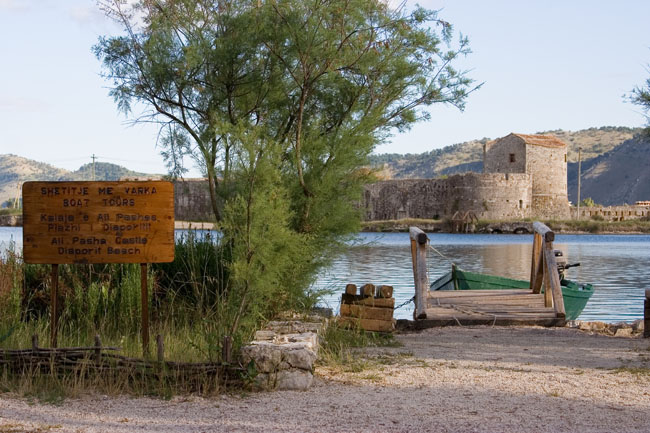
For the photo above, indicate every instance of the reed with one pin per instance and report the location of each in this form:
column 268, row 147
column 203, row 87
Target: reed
column 191, row 309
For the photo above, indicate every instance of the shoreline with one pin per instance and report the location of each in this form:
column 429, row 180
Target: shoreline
column 632, row 227
column 440, row 226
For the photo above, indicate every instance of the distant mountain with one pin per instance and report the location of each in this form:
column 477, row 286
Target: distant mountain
column 618, row 176
column 467, row 156
column 14, row 170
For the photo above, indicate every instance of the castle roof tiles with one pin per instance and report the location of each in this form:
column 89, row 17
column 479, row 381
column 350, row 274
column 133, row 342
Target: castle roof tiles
column 541, row 140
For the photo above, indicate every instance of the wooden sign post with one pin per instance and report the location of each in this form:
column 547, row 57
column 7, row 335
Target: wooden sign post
column 98, row 222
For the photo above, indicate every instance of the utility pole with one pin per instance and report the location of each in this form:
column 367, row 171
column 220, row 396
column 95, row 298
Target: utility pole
column 579, row 173
column 17, row 199
column 94, row 158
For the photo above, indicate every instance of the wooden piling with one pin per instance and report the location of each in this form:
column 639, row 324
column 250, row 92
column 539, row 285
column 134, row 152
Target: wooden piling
column 54, row 294
column 226, row 349
column 419, row 241
column 646, row 314
column 35, row 342
column 145, row 308
column 384, row 292
column 367, row 290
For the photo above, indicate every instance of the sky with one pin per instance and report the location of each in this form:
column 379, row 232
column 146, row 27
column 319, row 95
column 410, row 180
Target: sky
column 544, row 65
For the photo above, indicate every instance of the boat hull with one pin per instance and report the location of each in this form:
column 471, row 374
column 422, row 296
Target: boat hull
column 575, row 295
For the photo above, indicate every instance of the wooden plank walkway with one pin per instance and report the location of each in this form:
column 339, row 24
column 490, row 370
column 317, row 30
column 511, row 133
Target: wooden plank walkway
column 516, row 306
column 489, row 307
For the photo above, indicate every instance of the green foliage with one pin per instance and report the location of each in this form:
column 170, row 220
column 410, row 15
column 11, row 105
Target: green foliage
column 279, row 103
column 197, row 277
column 11, row 211
column 321, row 82
column 588, row 202
column 105, row 300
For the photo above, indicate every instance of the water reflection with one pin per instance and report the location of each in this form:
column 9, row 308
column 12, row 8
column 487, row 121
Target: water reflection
column 615, row 264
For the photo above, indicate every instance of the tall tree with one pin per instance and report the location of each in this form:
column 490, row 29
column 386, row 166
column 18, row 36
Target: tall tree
column 280, row 102
column 325, row 80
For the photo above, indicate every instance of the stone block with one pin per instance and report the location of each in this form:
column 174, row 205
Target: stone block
column 623, row 332
column 307, row 339
column 599, row 326
column 267, row 356
column 585, row 326
column 298, row 356
column 294, row 326
column 264, row 335
column 294, row 379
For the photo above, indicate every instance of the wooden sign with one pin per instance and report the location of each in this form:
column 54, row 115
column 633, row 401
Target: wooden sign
column 98, row 222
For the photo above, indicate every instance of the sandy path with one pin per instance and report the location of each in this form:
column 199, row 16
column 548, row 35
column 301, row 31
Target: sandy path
column 444, row 380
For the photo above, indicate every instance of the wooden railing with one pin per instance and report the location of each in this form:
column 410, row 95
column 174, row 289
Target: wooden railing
column 543, row 269
column 419, row 242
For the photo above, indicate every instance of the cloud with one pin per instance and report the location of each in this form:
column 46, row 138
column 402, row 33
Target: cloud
column 15, row 5
column 21, row 104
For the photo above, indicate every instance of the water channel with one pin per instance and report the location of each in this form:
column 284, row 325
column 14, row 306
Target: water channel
column 617, row 265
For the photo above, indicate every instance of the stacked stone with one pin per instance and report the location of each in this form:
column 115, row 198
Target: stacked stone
column 284, row 353
column 621, row 329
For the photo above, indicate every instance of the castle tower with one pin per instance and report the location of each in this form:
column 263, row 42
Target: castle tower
column 544, row 158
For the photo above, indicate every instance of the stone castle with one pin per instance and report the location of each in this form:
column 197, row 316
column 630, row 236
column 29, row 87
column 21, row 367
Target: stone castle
column 524, row 176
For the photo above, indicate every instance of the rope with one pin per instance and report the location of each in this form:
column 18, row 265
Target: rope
column 442, row 255
column 405, row 303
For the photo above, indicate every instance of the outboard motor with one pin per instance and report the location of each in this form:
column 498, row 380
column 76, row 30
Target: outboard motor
column 562, row 264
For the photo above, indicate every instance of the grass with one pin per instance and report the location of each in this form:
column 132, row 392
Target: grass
column 339, row 344
column 187, row 309
column 10, row 211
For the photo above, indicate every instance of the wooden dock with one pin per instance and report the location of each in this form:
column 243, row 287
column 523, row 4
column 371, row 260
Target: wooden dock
column 493, row 307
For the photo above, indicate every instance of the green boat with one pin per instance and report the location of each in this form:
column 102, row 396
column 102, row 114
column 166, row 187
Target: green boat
column 575, row 295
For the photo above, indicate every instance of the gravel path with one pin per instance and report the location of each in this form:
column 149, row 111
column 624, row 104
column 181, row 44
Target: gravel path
column 477, row 379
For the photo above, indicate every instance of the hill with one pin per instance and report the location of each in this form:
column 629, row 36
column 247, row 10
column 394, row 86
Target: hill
column 14, row 170
column 618, row 176
column 464, row 157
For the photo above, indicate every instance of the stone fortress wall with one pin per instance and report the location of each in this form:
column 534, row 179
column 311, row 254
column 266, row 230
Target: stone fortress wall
column 525, row 176
column 192, row 200
column 489, row 196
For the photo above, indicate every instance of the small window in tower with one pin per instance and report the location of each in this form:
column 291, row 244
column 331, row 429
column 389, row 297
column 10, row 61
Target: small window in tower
column 565, row 157
column 521, row 204
column 512, row 157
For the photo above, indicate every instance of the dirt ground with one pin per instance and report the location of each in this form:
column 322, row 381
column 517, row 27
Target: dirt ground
column 469, row 379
